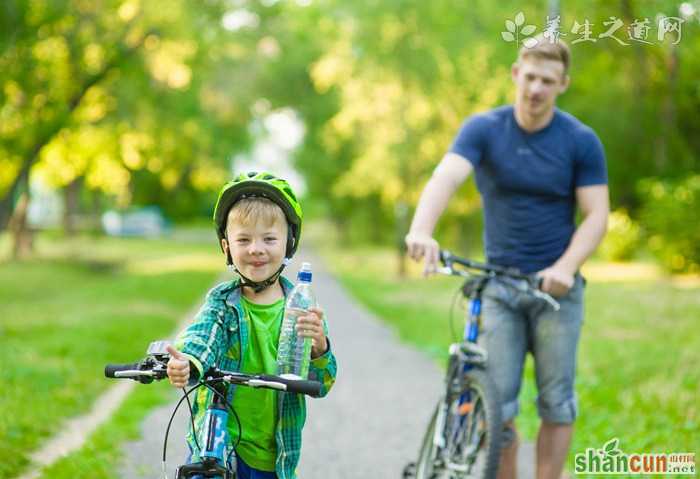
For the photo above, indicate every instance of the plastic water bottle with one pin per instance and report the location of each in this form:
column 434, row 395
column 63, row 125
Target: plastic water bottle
column 294, row 352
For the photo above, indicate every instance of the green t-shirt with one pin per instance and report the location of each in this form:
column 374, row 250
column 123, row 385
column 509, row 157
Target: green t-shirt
column 257, row 408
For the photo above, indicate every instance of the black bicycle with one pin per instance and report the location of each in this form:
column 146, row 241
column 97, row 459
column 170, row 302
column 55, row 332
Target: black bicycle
column 463, row 437
column 217, row 455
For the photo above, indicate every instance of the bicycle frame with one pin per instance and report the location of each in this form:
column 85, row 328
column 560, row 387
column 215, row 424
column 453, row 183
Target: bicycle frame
column 464, row 356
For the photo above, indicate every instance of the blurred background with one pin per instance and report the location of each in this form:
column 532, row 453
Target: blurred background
column 121, row 119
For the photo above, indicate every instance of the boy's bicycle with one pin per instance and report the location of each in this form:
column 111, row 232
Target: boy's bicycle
column 464, row 434
column 217, row 458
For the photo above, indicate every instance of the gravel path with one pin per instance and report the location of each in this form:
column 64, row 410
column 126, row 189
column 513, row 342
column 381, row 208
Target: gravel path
column 371, row 423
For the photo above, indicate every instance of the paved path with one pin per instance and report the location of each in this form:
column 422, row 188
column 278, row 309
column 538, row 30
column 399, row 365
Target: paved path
column 371, row 423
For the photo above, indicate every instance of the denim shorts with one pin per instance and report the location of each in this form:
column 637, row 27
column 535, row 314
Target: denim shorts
column 515, row 323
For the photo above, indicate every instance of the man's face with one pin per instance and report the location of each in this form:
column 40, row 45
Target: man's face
column 257, row 249
column 538, row 82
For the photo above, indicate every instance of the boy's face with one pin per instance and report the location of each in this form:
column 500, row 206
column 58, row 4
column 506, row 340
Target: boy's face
column 257, row 249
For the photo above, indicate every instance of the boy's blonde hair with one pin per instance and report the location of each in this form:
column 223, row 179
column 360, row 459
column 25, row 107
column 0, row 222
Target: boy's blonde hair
column 254, row 210
column 547, row 50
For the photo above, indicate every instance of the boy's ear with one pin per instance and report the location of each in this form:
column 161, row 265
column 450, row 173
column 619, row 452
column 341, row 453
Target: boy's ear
column 224, row 245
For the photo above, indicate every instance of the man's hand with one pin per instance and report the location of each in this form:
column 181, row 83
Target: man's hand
column 178, row 368
column 420, row 245
column 310, row 325
column 556, row 281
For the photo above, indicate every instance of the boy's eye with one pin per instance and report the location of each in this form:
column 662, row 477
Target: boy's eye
column 271, row 238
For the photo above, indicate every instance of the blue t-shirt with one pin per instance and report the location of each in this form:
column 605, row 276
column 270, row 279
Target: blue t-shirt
column 528, row 183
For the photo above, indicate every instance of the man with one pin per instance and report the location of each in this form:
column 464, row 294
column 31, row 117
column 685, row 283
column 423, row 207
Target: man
column 534, row 164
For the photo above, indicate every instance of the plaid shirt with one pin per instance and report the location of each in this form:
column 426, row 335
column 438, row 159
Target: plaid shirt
column 216, row 337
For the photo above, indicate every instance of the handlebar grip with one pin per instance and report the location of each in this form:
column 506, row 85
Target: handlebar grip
column 110, row 369
column 444, row 256
column 300, row 386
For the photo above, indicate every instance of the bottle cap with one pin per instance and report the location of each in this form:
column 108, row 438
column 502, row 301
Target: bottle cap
column 305, row 272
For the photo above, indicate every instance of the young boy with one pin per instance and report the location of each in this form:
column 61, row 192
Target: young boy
column 258, row 222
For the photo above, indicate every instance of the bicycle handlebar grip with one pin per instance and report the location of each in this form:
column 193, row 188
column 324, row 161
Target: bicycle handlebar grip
column 300, row 386
column 444, row 256
column 110, row 369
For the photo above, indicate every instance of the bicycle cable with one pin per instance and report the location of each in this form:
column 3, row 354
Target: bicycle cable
column 170, row 422
column 451, row 316
column 235, row 415
column 189, row 406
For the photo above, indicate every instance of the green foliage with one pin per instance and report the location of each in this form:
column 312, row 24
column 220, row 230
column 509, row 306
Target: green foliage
column 116, row 92
column 382, row 89
column 622, row 239
column 670, row 217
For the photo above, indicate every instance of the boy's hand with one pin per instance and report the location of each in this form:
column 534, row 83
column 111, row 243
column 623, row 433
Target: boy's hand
column 178, row 368
column 310, row 325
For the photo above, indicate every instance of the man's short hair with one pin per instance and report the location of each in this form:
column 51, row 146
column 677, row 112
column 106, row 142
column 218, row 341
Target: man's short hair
column 250, row 211
column 546, row 49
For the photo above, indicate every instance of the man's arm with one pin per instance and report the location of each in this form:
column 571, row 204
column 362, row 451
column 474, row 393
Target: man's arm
column 594, row 204
column 450, row 173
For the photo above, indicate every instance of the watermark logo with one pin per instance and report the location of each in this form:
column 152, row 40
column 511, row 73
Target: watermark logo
column 611, row 460
column 514, row 32
column 613, row 29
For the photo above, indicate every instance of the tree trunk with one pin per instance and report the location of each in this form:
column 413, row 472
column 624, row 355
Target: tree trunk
column 96, row 211
column 22, row 236
column 71, row 196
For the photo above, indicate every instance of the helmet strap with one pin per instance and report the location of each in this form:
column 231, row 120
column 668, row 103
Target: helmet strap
column 259, row 286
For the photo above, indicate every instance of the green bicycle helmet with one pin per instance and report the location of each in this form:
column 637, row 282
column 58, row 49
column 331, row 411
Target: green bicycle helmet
column 266, row 185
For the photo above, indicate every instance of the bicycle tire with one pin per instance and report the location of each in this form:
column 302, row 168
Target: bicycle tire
column 428, row 450
column 485, row 437
column 471, row 445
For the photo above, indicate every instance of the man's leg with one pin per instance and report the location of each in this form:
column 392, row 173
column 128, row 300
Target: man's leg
column 508, row 465
column 504, row 335
column 555, row 337
column 553, row 443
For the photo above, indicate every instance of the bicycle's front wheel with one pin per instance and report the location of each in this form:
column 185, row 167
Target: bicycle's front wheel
column 426, row 466
column 464, row 435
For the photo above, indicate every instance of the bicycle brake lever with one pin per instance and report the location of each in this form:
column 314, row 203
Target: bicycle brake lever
column 551, row 301
column 444, row 270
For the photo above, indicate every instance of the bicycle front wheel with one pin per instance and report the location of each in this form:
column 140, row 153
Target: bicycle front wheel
column 472, row 429
column 427, row 466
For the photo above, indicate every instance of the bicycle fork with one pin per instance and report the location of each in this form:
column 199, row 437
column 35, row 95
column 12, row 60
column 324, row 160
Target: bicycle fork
column 463, row 357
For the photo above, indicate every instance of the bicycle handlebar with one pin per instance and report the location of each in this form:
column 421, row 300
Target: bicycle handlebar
column 290, row 384
column 118, row 370
column 154, row 367
column 532, row 281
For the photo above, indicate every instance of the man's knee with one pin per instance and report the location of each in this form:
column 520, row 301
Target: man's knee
column 557, row 410
column 509, row 435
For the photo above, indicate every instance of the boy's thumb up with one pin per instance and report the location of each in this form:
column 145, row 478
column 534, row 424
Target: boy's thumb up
column 178, row 368
column 175, row 354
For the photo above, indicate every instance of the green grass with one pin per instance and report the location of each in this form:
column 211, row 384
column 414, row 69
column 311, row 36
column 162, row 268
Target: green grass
column 100, row 456
column 75, row 306
column 638, row 371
